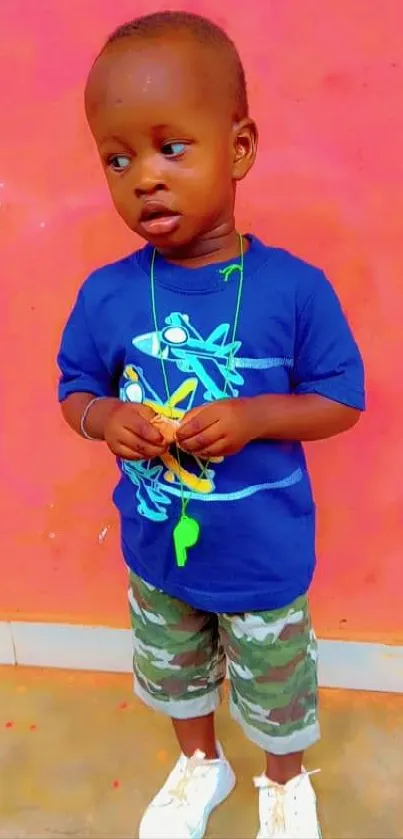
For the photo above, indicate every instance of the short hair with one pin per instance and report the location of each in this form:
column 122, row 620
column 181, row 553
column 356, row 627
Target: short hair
column 202, row 30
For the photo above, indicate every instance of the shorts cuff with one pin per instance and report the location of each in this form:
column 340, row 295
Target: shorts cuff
column 181, row 709
column 298, row 741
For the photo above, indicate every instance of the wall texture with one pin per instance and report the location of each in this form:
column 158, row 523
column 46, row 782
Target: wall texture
column 325, row 85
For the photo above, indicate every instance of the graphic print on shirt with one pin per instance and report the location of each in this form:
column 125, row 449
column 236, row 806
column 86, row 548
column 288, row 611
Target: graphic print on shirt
column 211, row 368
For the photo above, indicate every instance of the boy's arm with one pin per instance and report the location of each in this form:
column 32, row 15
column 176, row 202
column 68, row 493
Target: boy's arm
column 300, row 417
column 225, row 427
column 88, row 394
column 73, row 409
column 327, row 387
column 84, row 374
column 126, row 428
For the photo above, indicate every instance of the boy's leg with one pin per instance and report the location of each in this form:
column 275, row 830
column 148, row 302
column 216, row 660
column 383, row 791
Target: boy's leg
column 197, row 734
column 179, row 666
column 272, row 666
column 179, row 663
column 281, row 768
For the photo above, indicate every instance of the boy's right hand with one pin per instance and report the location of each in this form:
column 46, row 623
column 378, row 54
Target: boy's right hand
column 130, row 434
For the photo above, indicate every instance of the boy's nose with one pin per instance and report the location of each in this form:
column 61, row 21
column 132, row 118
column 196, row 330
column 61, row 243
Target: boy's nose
column 148, row 179
column 149, row 187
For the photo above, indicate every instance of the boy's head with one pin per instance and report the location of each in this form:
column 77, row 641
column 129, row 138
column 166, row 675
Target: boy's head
column 166, row 102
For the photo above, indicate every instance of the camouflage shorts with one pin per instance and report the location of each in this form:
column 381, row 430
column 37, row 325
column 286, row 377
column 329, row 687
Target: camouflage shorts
column 180, row 663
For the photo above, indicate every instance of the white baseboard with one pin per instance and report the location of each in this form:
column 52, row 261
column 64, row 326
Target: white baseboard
column 342, row 664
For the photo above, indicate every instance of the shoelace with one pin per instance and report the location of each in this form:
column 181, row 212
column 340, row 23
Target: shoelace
column 179, row 791
column 280, row 792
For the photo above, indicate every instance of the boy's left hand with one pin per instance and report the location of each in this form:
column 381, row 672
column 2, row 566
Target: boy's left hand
column 219, row 429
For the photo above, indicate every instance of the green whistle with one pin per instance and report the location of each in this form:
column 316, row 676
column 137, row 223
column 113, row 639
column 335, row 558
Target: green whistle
column 186, row 535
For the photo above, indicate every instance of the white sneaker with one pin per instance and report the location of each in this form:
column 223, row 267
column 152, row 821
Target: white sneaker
column 182, row 807
column 289, row 811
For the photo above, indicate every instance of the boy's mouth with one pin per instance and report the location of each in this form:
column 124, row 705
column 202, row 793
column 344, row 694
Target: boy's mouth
column 157, row 219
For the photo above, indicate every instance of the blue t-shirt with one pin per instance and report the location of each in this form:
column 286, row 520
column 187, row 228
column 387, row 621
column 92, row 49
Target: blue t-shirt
column 257, row 518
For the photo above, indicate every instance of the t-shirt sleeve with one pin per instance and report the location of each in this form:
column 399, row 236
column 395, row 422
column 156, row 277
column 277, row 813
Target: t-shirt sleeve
column 327, row 359
column 82, row 369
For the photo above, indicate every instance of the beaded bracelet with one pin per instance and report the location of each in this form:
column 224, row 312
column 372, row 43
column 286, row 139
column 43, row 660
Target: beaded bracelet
column 84, row 417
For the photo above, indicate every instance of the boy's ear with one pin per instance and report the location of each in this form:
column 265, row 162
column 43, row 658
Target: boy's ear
column 245, row 139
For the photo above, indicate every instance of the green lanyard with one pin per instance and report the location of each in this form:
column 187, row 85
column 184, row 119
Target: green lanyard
column 187, row 530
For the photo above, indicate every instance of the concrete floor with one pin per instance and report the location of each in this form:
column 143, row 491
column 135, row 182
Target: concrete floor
column 79, row 757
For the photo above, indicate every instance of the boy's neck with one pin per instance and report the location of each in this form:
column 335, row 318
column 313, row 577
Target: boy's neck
column 219, row 245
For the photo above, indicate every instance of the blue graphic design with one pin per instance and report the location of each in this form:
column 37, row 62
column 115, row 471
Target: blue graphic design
column 208, row 361
column 246, row 492
column 152, row 500
column 179, row 342
column 261, row 363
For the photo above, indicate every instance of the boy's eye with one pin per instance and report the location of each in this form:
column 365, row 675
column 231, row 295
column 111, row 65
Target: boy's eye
column 119, row 162
column 173, row 149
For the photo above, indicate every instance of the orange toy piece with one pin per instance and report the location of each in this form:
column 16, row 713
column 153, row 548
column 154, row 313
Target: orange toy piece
column 167, row 427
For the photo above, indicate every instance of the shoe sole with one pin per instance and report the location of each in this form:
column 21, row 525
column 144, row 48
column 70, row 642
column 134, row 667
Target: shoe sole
column 320, row 834
column 201, row 828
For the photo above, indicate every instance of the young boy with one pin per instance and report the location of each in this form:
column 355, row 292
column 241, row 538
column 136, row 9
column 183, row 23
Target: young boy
column 203, row 360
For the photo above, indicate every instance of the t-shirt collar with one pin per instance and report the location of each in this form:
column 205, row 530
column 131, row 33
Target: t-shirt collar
column 213, row 277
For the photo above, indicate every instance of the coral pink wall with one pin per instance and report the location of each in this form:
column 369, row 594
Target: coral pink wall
column 326, row 87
